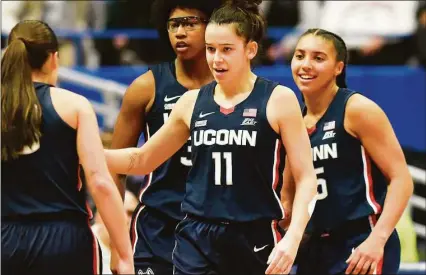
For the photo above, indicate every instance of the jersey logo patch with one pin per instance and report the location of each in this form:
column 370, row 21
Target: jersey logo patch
column 200, row 123
column 329, row 125
column 169, row 106
column 149, row 271
column 260, row 248
column 251, row 112
column 329, row 134
column 249, row 121
column 206, row 114
column 167, row 99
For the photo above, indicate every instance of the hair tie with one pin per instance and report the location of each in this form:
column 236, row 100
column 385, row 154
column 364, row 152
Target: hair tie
column 23, row 41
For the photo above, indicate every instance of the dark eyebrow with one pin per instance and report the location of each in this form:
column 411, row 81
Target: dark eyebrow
column 315, row 52
column 223, row 44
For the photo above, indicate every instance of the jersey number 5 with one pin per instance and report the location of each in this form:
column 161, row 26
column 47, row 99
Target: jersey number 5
column 217, row 157
column 322, row 185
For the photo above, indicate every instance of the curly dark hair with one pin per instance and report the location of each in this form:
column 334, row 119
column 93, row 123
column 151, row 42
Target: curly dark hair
column 161, row 10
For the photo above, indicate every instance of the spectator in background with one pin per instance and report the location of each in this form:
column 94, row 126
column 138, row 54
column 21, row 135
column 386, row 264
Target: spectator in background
column 309, row 17
column 15, row 11
column 374, row 31
column 273, row 12
column 65, row 16
column 420, row 38
column 11, row 13
column 130, row 14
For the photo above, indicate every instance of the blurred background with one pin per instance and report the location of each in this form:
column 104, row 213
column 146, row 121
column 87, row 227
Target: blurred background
column 105, row 45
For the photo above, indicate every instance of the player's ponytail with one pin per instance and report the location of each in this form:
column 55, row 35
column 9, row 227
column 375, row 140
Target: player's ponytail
column 341, row 78
column 30, row 43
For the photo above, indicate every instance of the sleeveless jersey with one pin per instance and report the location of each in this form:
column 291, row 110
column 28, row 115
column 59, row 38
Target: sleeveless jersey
column 350, row 186
column 237, row 159
column 47, row 180
column 165, row 187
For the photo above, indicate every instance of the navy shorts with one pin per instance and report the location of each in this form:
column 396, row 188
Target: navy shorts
column 49, row 246
column 153, row 239
column 215, row 247
column 327, row 252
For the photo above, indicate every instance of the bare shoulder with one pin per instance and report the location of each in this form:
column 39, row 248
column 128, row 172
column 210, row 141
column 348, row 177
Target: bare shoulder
column 283, row 99
column 70, row 105
column 143, row 82
column 68, row 98
column 361, row 107
column 361, row 112
column 141, row 91
column 282, row 106
column 282, row 93
column 191, row 95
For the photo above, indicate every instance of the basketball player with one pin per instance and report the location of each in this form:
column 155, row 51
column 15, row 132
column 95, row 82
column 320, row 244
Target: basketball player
column 363, row 180
column 46, row 132
column 146, row 106
column 241, row 126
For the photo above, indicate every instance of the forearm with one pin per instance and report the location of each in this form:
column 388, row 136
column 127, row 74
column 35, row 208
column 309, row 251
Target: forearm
column 398, row 195
column 120, row 182
column 287, row 199
column 124, row 161
column 305, row 193
column 111, row 209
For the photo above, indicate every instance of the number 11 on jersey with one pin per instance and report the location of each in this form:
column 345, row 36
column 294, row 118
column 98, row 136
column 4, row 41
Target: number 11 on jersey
column 217, row 157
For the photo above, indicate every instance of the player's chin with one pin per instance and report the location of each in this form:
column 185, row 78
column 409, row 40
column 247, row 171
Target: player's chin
column 186, row 55
column 305, row 88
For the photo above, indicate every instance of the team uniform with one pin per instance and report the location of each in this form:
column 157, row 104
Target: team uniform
column 159, row 211
column 45, row 222
column 232, row 201
column 351, row 194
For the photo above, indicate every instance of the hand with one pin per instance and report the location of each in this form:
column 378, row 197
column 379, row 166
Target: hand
column 120, row 41
column 114, row 261
column 276, row 51
column 121, row 266
column 373, row 46
column 125, row 267
column 366, row 257
column 282, row 256
column 422, row 19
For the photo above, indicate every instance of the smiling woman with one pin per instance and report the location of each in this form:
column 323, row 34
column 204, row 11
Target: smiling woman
column 363, row 178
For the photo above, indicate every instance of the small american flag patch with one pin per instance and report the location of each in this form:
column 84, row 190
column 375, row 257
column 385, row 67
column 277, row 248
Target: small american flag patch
column 251, row 112
column 329, row 125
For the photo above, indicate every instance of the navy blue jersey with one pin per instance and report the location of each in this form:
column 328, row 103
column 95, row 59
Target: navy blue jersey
column 165, row 187
column 350, row 185
column 237, row 159
column 46, row 181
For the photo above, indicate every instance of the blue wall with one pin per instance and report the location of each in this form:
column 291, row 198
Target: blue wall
column 400, row 91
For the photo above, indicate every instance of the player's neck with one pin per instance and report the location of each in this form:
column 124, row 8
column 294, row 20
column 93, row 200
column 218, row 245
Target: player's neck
column 234, row 87
column 197, row 70
column 317, row 103
column 42, row 78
